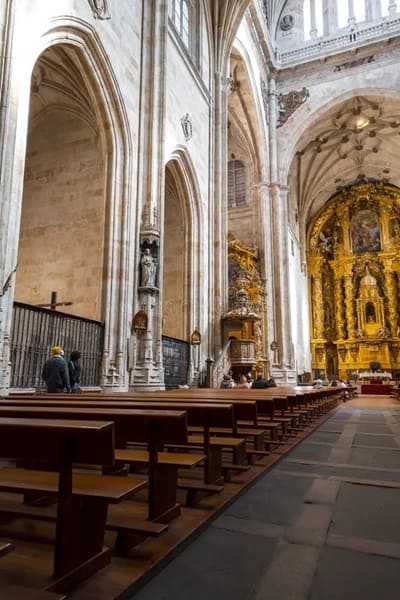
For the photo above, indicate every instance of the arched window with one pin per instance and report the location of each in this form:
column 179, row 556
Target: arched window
column 182, row 13
column 236, row 183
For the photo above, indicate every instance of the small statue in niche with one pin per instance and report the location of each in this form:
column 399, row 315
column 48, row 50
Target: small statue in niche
column 149, row 269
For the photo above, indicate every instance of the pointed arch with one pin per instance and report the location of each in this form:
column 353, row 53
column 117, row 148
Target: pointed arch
column 181, row 181
column 94, row 66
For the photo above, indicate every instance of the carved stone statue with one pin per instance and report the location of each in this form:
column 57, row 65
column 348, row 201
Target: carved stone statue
column 149, row 269
column 100, row 9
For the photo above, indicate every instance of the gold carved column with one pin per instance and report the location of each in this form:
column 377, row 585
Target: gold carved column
column 349, row 299
column 317, row 298
column 339, row 303
column 390, row 284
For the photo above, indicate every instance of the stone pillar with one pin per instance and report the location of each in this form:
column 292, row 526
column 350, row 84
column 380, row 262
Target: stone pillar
column 330, row 16
column 372, row 10
column 313, row 30
column 12, row 153
column 279, row 230
column 218, row 274
column 148, row 371
column 392, row 7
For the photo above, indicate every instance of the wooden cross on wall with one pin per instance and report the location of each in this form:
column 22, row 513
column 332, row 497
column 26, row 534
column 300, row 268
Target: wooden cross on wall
column 53, row 302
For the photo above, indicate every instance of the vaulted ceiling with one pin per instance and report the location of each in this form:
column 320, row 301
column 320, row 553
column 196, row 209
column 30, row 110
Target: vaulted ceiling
column 57, row 85
column 357, row 140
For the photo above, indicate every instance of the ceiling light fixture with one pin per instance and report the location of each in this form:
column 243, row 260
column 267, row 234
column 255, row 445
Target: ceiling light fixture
column 361, row 122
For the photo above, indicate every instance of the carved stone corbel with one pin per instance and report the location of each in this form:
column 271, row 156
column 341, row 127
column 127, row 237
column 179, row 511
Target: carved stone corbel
column 289, row 103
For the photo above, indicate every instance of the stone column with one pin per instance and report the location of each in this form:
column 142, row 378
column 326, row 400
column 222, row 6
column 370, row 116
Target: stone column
column 148, row 370
column 313, row 30
column 330, row 16
column 372, row 10
column 279, row 230
column 12, row 153
column 218, row 274
column 392, row 7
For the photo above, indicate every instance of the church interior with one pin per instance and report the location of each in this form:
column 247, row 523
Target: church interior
column 197, row 191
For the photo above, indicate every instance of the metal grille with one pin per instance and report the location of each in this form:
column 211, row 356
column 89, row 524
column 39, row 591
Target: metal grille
column 176, row 356
column 35, row 330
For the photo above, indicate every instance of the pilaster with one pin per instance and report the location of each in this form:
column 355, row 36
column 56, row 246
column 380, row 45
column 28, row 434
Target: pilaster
column 146, row 370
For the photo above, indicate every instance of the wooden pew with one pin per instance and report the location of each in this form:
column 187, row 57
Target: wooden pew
column 82, row 499
column 199, row 414
column 152, row 427
column 239, row 399
column 5, row 548
column 16, row 592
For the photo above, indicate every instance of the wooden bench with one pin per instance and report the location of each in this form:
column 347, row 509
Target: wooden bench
column 5, row 548
column 202, row 415
column 239, row 399
column 17, row 592
column 82, row 499
column 152, row 427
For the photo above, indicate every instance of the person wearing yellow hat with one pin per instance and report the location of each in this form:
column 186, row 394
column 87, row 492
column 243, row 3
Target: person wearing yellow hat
column 55, row 372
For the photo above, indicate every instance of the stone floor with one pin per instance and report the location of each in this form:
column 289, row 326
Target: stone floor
column 322, row 524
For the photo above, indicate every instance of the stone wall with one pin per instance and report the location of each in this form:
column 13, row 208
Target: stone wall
column 62, row 224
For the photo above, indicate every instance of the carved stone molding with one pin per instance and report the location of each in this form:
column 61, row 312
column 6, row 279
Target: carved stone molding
column 100, row 9
column 289, row 103
column 354, row 63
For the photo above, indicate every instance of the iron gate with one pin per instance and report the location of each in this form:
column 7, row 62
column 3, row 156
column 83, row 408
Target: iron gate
column 176, row 357
column 35, row 330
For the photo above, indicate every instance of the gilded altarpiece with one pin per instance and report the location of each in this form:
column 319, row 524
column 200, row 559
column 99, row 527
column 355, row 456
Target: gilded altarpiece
column 353, row 259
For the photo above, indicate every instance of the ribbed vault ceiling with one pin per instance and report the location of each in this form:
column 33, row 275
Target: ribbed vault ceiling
column 358, row 140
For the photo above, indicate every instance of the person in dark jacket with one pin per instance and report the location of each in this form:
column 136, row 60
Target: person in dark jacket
column 75, row 370
column 260, row 382
column 55, row 372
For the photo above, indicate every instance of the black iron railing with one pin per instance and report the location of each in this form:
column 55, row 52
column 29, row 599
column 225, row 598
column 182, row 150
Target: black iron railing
column 176, row 357
column 35, row 330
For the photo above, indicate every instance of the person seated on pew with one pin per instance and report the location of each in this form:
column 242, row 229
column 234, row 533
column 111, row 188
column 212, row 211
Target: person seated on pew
column 227, row 382
column 271, row 382
column 260, row 382
column 75, row 371
column 55, row 372
column 243, row 383
column 345, row 394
